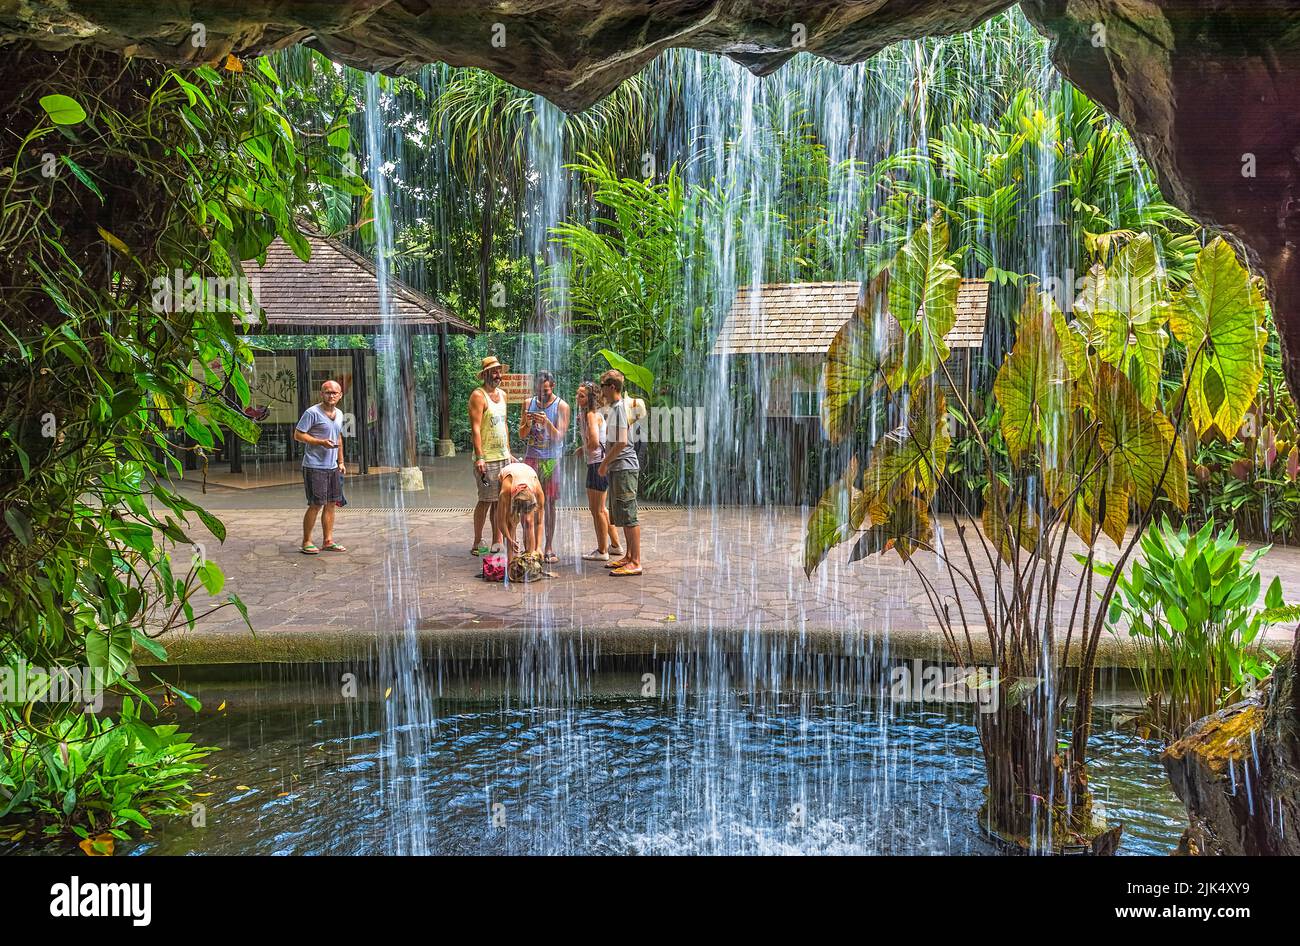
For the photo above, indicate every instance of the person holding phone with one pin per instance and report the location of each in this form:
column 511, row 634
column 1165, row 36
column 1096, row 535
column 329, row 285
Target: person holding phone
column 321, row 429
column 542, row 426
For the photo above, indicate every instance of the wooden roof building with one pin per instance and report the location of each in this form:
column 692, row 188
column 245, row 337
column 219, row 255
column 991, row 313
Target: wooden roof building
column 336, row 291
column 793, row 325
column 339, row 288
column 802, row 318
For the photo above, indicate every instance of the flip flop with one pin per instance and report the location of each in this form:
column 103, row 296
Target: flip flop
column 616, row 564
column 309, row 549
column 335, row 547
column 625, row 572
column 480, row 550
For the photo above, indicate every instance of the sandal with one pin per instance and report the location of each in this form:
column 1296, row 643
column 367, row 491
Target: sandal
column 335, row 547
column 625, row 572
column 479, row 550
column 550, row 558
column 309, row 549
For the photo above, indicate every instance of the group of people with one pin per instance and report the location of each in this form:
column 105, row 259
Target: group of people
column 513, row 492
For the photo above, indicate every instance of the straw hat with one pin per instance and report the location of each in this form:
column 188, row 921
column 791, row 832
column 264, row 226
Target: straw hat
column 489, row 363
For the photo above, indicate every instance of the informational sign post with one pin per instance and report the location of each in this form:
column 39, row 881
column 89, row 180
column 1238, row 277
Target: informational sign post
column 517, row 387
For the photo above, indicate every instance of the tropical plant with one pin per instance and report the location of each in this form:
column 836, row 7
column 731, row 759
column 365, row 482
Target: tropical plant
column 1189, row 605
column 1252, row 481
column 490, row 129
column 92, row 777
column 626, row 269
column 120, row 183
column 1089, row 437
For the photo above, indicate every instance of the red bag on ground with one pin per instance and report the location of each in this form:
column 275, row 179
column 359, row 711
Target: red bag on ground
column 494, row 565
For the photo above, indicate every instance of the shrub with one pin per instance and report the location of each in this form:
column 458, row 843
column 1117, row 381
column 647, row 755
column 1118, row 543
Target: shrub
column 1189, row 605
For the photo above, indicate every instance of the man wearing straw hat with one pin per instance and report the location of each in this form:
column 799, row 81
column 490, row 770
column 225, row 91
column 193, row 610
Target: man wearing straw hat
column 491, row 437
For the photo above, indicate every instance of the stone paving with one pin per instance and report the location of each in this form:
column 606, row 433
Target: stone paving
column 729, row 569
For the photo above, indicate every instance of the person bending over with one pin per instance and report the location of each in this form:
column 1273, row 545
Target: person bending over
column 519, row 499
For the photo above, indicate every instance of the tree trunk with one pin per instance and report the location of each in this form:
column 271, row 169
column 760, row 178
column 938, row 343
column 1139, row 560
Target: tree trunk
column 1033, row 804
column 486, row 220
column 1238, row 772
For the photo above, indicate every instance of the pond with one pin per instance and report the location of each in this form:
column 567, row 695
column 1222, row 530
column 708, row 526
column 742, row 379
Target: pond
column 694, row 769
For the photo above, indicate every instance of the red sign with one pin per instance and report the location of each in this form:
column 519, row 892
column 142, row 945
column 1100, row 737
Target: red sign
column 517, row 387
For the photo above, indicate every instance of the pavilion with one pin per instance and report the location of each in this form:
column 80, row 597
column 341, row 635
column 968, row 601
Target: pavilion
column 789, row 328
column 336, row 292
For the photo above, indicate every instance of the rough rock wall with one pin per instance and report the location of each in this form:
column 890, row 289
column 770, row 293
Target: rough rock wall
column 1238, row 772
column 1211, row 88
column 1211, row 91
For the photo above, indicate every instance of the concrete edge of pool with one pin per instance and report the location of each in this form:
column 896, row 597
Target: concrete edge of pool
column 332, row 646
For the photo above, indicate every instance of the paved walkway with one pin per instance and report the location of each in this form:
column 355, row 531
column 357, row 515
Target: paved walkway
column 723, row 570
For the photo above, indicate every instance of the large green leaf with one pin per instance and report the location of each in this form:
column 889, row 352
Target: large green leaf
column 109, row 651
column 1081, row 370
column 866, row 353
column 1126, row 308
column 63, row 109
column 838, row 514
column 1143, row 454
column 1217, row 316
column 906, row 529
column 1031, row 384
column 923, row 296
column 637, row 374
column 910, row 458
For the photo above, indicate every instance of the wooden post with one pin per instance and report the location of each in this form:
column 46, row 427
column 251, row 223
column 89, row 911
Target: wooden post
column 445, row 447
column 361, row 404
column 406, row 382
column 303, row 358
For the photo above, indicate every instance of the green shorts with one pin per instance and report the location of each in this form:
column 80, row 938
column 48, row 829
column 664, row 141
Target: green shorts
column 622, row 497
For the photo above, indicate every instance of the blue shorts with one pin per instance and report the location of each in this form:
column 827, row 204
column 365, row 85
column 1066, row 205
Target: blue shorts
column 595, row 480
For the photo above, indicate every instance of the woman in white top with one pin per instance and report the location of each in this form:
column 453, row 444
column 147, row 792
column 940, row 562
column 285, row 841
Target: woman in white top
column 591, row 427
column 519, row 498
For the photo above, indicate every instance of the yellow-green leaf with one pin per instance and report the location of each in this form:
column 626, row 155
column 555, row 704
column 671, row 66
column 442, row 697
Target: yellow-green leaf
column 1030, row 386
column 923, row 296
column 838, row 514
column 114, row 242
column 1217, row 316
column 910, row 458
column 906, row 530
column 1142, row 452
column 1128, row 312
column 865, row 354
column 63, row 109
column 1008, row 525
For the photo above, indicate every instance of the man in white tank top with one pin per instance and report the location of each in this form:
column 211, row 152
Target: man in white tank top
column 491, row 438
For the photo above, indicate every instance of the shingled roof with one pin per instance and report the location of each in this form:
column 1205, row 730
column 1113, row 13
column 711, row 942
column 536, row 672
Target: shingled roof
column 803, row 317
column 338, row 288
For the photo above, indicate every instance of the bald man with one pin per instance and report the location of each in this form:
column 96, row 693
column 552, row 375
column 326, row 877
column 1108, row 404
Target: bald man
column 321, row 429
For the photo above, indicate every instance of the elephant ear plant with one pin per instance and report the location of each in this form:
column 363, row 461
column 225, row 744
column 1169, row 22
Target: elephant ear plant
column 1093, row 442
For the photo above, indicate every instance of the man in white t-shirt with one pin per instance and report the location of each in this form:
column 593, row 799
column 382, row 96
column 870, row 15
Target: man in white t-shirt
column 321, row 429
